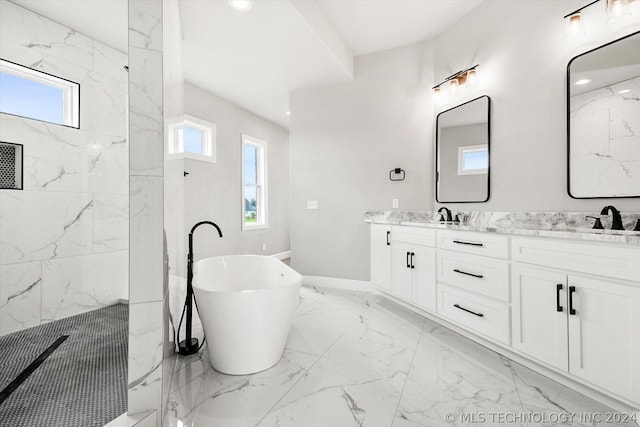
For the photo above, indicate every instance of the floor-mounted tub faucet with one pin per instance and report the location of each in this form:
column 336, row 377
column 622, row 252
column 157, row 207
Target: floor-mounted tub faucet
column 190, row 345
column 617, row 218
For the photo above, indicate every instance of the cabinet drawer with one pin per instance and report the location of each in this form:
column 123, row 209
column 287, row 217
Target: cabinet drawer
column 486, row 276
column 414, row 235
column 474, row 243
column 600, row 259
column 478, row 314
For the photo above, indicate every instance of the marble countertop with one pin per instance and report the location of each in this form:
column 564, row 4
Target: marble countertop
column 521, row 224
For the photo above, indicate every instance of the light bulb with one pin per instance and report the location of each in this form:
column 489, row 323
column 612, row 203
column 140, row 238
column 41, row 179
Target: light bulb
column 576, row 27
column 617, row 8
column 472, row 76
column 454, row 85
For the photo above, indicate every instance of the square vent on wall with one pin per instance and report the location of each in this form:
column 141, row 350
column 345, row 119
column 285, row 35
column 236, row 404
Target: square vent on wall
column 10, row 166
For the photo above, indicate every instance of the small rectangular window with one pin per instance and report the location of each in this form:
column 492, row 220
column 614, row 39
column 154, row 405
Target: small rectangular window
column 473, row 160
column 32, row 94
column 191, row 138
column 254, row 183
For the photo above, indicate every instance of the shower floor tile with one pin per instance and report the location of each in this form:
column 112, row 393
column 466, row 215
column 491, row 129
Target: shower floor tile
column 357, row 359
column 83, row 383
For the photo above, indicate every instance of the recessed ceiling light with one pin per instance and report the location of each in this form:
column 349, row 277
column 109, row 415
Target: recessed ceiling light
column 242, row 5
column 583, row 82
column 288, row 113
column 624, row 91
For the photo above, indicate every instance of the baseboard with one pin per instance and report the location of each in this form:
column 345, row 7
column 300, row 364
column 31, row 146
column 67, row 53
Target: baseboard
column 282, row 255
column 337, row 283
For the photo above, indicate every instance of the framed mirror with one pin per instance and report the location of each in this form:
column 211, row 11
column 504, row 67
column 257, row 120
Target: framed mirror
column 603, row 121
column 462, row 152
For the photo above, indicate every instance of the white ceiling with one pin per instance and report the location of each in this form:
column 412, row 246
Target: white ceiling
column 256, row 58
column 368, row 26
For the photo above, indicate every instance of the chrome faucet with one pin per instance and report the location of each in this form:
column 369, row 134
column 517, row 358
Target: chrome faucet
column 615, row 214
column 442, row 217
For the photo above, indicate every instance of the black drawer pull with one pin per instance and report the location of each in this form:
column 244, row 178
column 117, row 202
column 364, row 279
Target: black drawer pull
column 468, row 311
column 388, row 233
column 479, row 276
column 559, row 308
column 572, row 289
column 412, row 255
column 408, row 266
column 460, row 242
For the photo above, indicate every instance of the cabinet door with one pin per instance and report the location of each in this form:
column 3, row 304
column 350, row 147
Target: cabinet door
column 381, row 256
column 401, row 270
column 604, row 335
column 424, row 277
column 539, row 329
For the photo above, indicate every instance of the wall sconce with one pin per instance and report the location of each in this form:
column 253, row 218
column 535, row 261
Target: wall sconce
column 614, row 9
column 459, row 79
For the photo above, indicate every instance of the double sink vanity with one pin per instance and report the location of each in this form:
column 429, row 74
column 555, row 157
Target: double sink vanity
column 541, row 288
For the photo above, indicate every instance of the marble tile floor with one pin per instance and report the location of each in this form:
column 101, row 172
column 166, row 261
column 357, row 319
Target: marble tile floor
column 358, row 359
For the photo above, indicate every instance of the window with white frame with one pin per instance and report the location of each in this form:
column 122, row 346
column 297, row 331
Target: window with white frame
column 189, row 137
column 473, row 159
column 33, row 94
column 254, row 183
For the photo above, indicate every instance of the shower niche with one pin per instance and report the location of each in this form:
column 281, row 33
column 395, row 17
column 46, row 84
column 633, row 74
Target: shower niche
column 10, row 166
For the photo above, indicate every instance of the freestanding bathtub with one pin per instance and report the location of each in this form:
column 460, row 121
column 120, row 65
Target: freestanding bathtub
column 245, row 303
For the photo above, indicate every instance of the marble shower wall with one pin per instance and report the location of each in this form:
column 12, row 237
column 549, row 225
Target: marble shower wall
column 64, row 238
column 146, row 169
column 605, row 135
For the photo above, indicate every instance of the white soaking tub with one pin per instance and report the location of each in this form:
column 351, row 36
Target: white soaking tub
column 245, row 303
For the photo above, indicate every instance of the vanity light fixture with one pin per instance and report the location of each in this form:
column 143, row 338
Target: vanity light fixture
column 624, row 91
column 459, row 79
column 582, row 82
column 241, row 5
column 614, row 9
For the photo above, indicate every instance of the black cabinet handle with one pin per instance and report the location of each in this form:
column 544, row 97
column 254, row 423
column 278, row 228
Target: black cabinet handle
column 460, row 242
column 412, row 255
column 479, row 276
column 388, row 233
column 408, row 266
column 558, row 306
column 468, row 311
column 572, row 289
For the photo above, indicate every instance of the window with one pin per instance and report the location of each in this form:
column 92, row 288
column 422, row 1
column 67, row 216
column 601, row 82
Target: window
column 36, row 95
column 254, row 183
column 473, row 160
column 189, row 137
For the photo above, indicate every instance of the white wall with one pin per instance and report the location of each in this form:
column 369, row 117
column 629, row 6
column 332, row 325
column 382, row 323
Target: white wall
column 346, row 137
column 523, row 54
column 344, row 140
column 64, row 239
column 212, row 191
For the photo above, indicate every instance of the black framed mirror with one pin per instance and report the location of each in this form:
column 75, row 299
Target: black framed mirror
column 603, row 121
column 462, row 152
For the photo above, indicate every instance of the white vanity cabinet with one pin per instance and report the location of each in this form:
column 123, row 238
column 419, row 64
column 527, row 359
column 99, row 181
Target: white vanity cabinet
column 566, row 307
column 414, row 266
column 588, row 326
column 380, row 258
